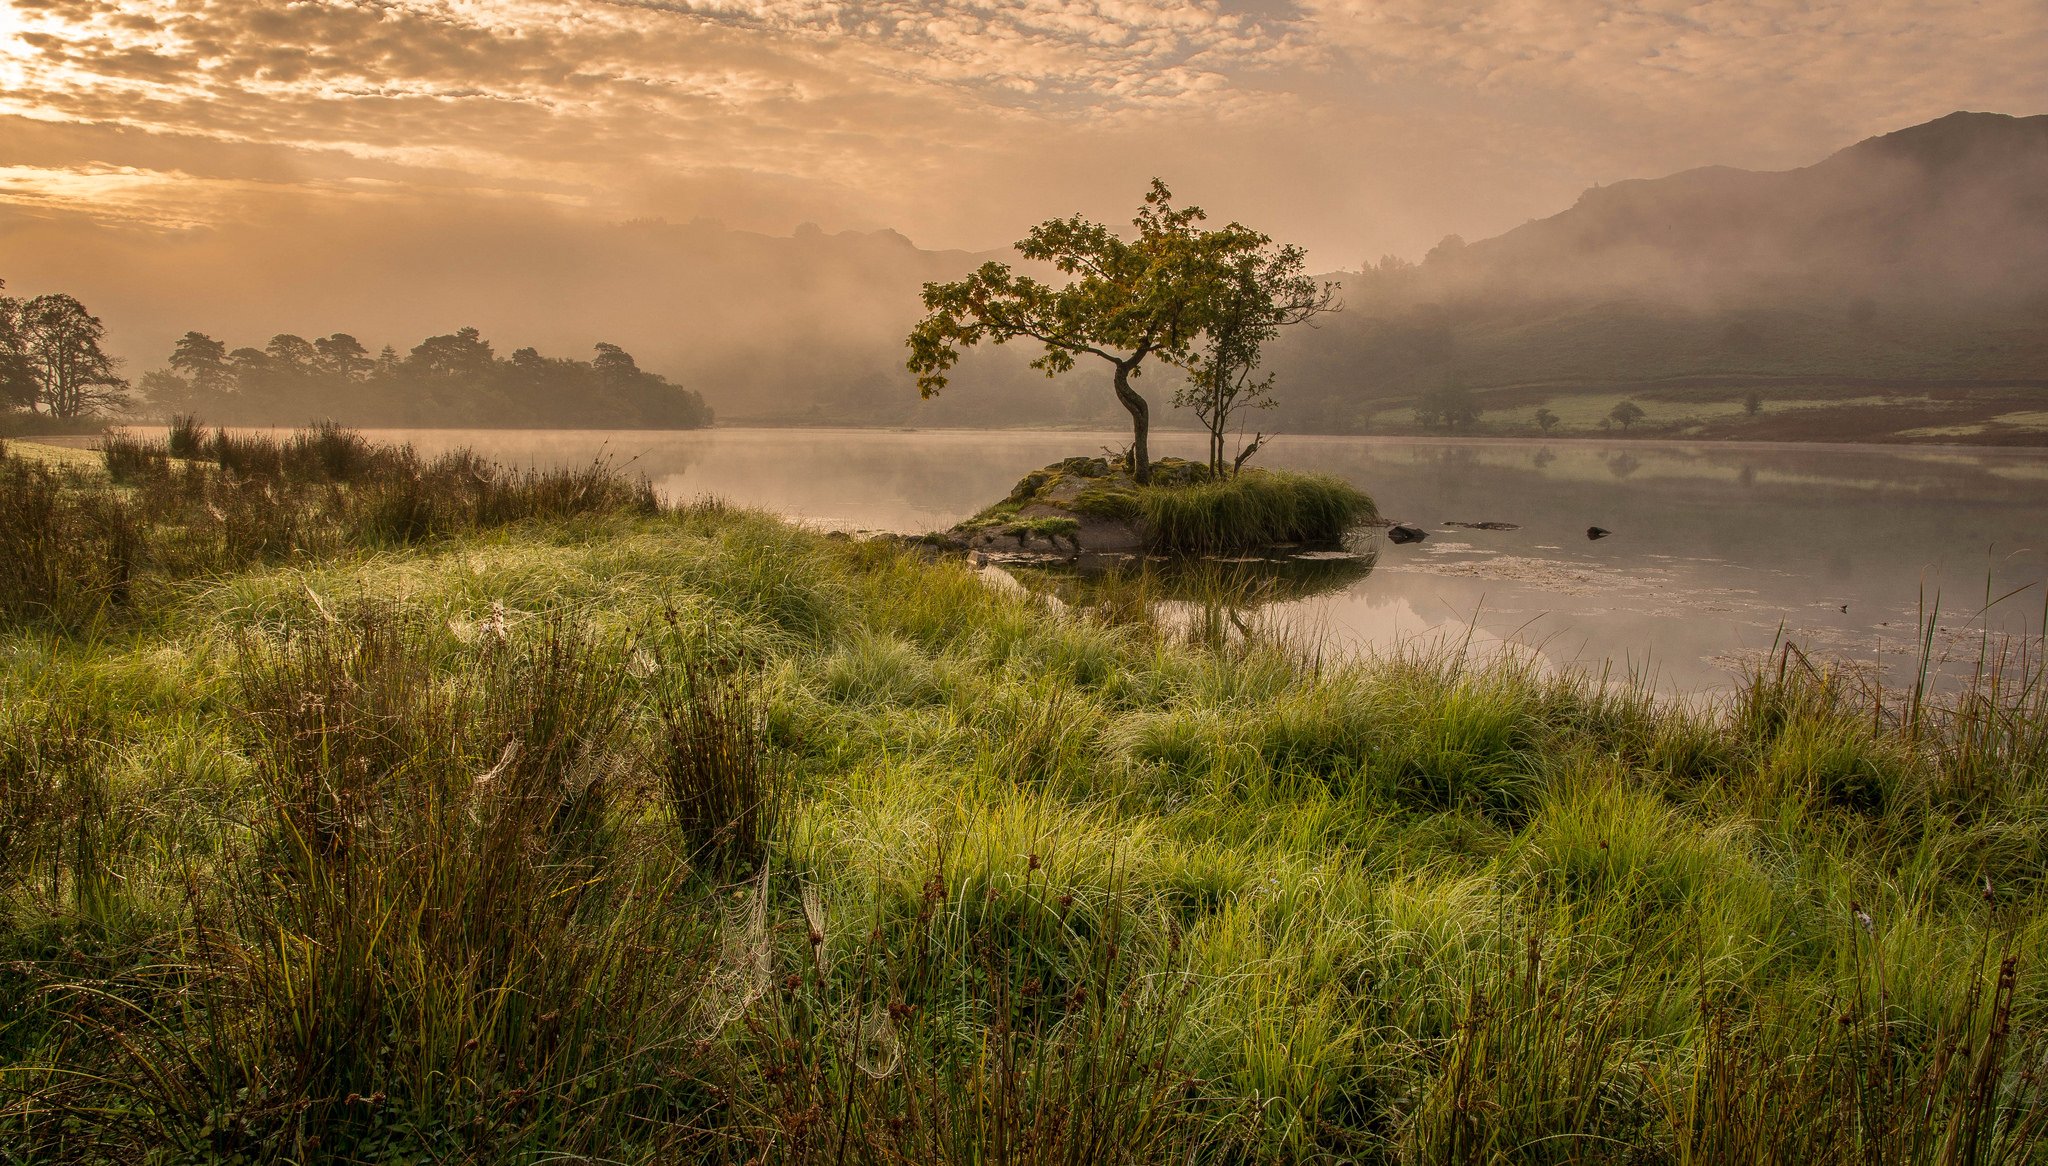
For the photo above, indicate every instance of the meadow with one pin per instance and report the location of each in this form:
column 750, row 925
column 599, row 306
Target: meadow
column 359, row 807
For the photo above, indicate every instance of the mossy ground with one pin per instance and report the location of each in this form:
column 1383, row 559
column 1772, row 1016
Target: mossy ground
column 379, row 855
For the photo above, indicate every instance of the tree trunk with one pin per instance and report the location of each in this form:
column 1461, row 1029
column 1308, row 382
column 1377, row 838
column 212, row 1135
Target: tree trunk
column 1141, row 423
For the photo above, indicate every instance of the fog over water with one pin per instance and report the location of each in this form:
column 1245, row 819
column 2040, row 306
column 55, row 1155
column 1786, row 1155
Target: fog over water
column 1716, row 546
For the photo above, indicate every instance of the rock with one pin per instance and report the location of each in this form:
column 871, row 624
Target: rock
column 1597, row 532
column 1481, row 525
column 1403, row 533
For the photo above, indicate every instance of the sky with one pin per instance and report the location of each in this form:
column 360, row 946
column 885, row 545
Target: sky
column 1355, row 127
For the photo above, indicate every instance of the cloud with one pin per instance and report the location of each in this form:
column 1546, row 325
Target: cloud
column 1356, row 125
column 1756, row 82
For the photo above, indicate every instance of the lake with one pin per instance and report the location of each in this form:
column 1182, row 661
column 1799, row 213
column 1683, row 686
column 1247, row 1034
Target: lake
column 1718, row 548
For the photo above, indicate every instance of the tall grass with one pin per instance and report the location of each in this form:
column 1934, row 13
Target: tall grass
column 73, row 549
column 1252, row 510
column 693, row 837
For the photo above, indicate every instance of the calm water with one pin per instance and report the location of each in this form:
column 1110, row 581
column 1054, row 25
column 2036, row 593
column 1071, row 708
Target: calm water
column 1716, row 547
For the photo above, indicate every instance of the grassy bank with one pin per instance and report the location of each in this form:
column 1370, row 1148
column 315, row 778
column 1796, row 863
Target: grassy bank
column 595, row 830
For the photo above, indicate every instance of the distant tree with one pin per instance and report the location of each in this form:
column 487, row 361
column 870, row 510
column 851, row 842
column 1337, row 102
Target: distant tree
column 1450, row 407
column 292, row 355
column 343, row 357
column 1131, row 300
column 74, row 376
column 1752, row 404
column 1263, row 291
column 615, row 365
column 1546, row 420
column 18, row 387
column 247, row 367
column 462, row 355
column 1625, row 414
column 203, row 361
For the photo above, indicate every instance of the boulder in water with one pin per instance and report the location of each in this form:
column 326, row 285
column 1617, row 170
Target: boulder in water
column 1403, row 533
column 1597, row 532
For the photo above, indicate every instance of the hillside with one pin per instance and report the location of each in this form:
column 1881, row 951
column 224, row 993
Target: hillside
column 1909, row 270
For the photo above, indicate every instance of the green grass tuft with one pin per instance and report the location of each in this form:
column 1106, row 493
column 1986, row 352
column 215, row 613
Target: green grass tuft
column 1253, row 510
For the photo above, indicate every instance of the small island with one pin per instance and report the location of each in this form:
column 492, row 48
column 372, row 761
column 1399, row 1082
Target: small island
column 1097, row 505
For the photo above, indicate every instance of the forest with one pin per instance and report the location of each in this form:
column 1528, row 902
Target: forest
column 56, row 373
column 455, row 380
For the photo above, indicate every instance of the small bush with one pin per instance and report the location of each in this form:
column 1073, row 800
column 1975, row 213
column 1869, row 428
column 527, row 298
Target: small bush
column 131, row 459
column 329, row 453
column 186, row 438
column 248, row 455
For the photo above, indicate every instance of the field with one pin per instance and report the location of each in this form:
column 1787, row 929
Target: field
column 357, row 808
column 1799, row 411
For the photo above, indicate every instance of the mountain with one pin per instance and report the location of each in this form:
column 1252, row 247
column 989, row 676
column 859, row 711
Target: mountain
column 1909, row 268
column 1957, row 207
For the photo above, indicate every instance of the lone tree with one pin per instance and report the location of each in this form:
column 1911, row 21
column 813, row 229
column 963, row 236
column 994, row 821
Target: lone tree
column 1546, row 420
column 1131, row 300
column 73, row 376
column 1262, row 290
column 1625, row 414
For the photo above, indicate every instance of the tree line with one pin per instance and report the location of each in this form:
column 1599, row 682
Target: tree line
column 451, row 380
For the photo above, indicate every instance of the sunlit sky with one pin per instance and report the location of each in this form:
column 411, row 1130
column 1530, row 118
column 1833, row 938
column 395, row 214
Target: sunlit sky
column 1355, row 126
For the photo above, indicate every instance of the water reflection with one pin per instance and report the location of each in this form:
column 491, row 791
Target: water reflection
column 1213, row 602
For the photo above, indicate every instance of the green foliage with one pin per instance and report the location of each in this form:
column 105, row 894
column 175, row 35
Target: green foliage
column 1625, row 414
column 1262, row 290
column 1156, row 295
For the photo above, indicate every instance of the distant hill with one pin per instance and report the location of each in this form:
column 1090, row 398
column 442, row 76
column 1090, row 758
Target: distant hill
column 1910, row 264
column 1955, row 208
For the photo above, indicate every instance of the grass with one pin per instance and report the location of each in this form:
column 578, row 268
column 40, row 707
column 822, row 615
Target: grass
column 1183, row 511
column 1251, row 510
column 678, row 834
